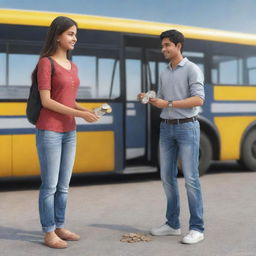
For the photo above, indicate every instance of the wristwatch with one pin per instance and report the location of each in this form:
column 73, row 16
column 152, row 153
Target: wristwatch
column 169, row 104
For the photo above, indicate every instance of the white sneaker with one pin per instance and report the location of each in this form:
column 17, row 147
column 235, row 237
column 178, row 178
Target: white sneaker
column 193, row 237
column 165, row 230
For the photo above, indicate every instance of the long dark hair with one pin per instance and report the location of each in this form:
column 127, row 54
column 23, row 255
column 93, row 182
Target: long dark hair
column 57, row 27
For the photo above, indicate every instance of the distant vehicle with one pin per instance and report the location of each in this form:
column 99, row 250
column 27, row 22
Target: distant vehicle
column 117, row 59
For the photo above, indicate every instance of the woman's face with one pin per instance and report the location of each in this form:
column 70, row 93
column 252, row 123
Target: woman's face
column 67, row 39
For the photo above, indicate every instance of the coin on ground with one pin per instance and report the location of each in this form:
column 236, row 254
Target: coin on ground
column 135, row 237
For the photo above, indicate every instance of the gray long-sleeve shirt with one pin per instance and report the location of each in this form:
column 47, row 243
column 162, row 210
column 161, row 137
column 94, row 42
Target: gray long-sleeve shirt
column 185, row 81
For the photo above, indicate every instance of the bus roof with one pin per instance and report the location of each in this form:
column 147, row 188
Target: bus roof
column 41, row 18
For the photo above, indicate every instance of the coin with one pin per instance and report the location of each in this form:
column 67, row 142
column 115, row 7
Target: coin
column 135, row 237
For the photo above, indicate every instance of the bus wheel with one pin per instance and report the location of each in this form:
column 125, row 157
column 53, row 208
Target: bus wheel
column 205, row 153
column 248, row 151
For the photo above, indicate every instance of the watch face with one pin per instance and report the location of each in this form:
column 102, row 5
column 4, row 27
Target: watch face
column 170, row 105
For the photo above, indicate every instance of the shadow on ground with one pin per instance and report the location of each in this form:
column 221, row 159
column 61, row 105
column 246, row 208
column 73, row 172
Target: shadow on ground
column 122, row 228
column 8, row 233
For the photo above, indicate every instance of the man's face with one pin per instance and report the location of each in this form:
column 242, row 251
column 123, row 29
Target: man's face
column 169, row 49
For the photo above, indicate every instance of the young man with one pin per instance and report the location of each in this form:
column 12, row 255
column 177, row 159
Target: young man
column 181, row 91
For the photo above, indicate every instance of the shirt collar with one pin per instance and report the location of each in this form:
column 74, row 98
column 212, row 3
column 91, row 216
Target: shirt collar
column 181, row 63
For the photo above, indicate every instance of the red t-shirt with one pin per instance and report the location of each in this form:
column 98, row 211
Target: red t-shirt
column 63, row 86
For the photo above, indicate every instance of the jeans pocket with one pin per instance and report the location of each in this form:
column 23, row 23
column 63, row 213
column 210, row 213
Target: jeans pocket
column 190, row 125
column 187, row 126
column 163, row 126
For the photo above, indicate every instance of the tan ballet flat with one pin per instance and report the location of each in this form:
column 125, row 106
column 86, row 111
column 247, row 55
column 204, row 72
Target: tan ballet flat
column 55, row 242
column 67, row 235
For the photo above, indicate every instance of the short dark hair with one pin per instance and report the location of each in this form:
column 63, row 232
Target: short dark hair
column 174, row 36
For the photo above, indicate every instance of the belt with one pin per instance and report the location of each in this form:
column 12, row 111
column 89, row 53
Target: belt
column 179, row 121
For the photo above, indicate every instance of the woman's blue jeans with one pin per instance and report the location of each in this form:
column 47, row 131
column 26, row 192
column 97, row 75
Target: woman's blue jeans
column 181, row 141
column 56, row 153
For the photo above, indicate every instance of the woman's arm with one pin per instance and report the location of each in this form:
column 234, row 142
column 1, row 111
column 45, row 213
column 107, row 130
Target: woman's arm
column 53, row 105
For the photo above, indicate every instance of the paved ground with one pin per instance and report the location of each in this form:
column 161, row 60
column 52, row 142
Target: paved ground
column 101, row 209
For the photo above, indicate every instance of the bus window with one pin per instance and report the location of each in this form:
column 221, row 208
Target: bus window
column 133, row 79
column 227, row 70
column 252, row 77
column 191, row 55
column 2, row 69
column 153, row 58
column 251, row 66
column 87, row 74
column 162, row 66
column 108, row 86
column 20, row 69
column 197, row 58
column 99, row 77
column 152, row 73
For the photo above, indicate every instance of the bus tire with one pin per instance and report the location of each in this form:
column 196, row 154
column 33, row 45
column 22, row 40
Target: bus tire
column 205, row 153
column 248, row 151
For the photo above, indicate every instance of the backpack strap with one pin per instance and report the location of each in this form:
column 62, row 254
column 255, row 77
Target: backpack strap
column 52, row 64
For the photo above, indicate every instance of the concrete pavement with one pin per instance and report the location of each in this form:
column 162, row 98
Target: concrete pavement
column 102, row 209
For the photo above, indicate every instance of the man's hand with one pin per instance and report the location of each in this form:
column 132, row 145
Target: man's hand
column 159, row 103
column 140, row 96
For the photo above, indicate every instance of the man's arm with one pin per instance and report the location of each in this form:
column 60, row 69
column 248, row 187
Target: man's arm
column 190, row 102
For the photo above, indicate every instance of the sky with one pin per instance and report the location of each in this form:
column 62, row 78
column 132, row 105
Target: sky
column 233, row 15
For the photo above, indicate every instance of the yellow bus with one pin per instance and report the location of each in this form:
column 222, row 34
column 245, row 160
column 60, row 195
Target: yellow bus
column 117, row 59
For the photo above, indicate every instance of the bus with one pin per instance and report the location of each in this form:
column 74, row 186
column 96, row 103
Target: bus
column 118, row 58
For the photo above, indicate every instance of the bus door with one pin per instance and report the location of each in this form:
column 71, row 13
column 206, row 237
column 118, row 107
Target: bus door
column 141, row 137
column 155, row 63
column 136, row 113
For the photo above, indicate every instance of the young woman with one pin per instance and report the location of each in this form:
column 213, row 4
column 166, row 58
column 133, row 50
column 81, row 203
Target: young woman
column 56, row 128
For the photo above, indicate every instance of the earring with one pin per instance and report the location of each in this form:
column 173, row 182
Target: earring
column 58, row 40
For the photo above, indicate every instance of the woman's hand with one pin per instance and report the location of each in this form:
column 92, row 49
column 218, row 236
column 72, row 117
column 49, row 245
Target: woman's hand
column 89, row 116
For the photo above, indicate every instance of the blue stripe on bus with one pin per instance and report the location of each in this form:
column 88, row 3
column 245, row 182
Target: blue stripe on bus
column 13, row 117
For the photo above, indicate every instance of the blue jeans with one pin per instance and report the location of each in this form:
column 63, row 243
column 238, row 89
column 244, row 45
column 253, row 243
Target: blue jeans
column 56, row 153
column 181, row 141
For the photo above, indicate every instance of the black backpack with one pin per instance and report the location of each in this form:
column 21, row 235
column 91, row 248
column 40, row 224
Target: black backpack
column 34, row 104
